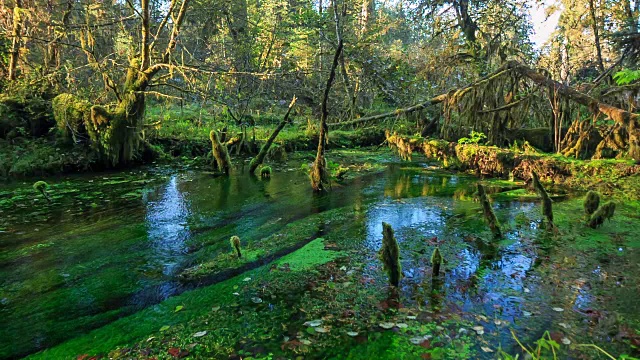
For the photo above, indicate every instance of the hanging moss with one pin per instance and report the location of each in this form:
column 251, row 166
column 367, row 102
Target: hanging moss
column 220, row 153
column 591, row 203
column 71, row 115
column 547, row 209
column 488, row 212
column 41, row 187
column 603, row 213
column 390, row 255
column 265, row 171
column 436, row 261
column 235, row 245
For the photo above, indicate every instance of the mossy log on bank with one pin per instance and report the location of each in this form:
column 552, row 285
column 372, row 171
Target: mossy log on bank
column 491, row 161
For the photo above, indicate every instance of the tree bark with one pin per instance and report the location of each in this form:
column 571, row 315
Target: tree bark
column 596, row 34
column 319, row 176
column 15, row 42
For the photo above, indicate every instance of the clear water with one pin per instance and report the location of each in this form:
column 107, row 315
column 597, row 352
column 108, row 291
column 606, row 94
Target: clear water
column 113, row 244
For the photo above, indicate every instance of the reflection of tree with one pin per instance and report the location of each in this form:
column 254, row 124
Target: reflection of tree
column 437, row 294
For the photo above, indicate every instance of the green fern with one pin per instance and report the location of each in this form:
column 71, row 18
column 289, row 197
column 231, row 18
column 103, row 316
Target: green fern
column 626, row 76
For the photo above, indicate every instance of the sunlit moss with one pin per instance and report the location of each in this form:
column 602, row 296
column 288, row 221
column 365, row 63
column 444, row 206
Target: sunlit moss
column 41, row 187
column 265, row 171
column 390, row 255
column 220, row 153
column 235, row 244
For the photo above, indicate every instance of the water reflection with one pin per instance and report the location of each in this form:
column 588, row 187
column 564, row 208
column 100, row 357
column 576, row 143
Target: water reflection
column 167, row 227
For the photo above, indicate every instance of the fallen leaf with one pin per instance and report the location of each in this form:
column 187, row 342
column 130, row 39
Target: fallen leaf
column 246, row 279
column 178, row 308
column 256, row 300
column 386, row 325
column 526, row 313
column 566, row 326
column 352, row 333
column 486, row 349
column 322, row 329
column 313, row 323
column 566, row 341
column 200, row 334
column 305, row 341
column 402, row 325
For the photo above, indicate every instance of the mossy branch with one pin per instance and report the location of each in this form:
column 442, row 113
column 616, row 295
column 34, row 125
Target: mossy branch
column 547, row 209
column 255, row 162
column 489, row 215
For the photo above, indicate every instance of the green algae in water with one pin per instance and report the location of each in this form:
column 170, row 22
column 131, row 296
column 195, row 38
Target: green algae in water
column 196, row 302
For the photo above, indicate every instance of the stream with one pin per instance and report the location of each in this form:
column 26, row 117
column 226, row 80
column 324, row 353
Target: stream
column 111, row 244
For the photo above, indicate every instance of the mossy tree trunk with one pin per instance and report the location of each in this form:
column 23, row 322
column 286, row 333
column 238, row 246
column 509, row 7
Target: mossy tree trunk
column 16, row 34
column 115, row 131
column 319, row 174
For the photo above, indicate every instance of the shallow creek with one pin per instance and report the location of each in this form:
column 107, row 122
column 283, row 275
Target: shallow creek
column 112, row 244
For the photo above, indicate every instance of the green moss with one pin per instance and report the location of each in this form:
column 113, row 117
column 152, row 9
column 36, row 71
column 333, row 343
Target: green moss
column 591, row 203
column 292, row 236
column 220, row 153
column 603, row 213
column 235, row 245
column 265, row 171
column 195, row 303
